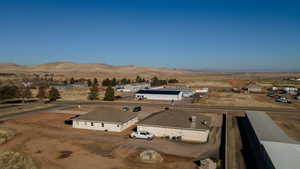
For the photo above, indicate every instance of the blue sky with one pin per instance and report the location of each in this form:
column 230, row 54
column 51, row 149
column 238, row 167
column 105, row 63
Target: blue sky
column 195, row 34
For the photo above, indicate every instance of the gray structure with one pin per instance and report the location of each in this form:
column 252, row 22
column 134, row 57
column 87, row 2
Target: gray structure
column 68, row 86
column 132, row 87
column 281, row 151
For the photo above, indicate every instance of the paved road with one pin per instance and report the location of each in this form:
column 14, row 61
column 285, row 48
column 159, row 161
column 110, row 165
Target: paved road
column 62, row 104
column 188, row 106
column 15, row 115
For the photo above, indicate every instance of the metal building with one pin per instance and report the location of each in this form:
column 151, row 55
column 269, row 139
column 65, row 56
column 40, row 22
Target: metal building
column 159, row 95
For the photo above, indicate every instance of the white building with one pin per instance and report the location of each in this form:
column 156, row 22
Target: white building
column 109, row 120
column 204, row 90
column 159, row 95
column 177, row 124
column 290, row 89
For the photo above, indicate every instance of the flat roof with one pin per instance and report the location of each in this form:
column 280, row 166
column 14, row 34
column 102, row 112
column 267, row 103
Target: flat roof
column 283, row 155
column 177, row 119
column 166, row 92
column 115, row 115
column 266, row 129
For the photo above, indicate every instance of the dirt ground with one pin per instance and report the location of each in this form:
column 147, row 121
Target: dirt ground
column 235, row 157
column 52, row 144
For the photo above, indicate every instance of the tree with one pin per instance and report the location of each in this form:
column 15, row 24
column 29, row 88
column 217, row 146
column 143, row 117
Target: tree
column 109, row 94
column 157, row 82
column 106, row 82
column 138, row 79
column 53, row 94
column 172, row 81
column 72, row 81
column 66, row 82
column 113, row 82
column 41, row 93
column 25, row 92
column 93, row 94
column 8, row 92
column 95, row 82
column 89, row 82
column 124, row 81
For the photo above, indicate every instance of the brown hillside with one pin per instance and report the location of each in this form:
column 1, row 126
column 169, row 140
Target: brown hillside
column 91, row 69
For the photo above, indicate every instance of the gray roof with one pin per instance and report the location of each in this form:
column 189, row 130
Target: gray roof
column 266, row 129
column 283, row 151
column 153, row 91
column 283, row 155
column 111, row 115
column 177, row 119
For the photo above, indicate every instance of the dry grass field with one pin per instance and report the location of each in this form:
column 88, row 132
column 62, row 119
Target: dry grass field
column 237, row 99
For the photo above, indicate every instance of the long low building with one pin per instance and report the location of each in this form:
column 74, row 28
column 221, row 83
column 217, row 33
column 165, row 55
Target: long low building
column 177, row 124
column 106, row 120
column 154, row 94
column 266, row 145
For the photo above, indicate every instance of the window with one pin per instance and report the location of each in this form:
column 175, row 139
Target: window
column 92, row 124
column 102, row 124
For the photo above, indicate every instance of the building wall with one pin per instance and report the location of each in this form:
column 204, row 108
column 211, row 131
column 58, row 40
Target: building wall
column 160, row 96
column 187, row 135
column 109, row 126
column 129, row 123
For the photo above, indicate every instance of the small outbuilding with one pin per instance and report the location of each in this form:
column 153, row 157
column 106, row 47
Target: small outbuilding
column 174, row 124
column 254, row 88
column 106, row 120
column 155, row 94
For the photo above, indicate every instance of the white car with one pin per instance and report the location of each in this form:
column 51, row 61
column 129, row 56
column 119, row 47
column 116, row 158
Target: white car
column 142, row 135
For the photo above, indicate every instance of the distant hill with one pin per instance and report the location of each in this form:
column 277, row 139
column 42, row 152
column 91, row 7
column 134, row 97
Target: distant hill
column 91, row 69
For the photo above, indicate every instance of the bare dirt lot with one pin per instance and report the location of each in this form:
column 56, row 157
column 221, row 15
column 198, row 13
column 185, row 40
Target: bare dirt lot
column 289, row 123
column 52, row 144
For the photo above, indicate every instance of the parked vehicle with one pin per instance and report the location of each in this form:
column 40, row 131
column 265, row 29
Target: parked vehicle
column 283, row 100
column 142, row 135
column 275, row 96
column 125, row 108
column 271, row 94
column 137, row 109
column 118, row 97
column 297, row 97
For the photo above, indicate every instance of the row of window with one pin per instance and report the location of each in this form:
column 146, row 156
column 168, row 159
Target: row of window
column 92, row 124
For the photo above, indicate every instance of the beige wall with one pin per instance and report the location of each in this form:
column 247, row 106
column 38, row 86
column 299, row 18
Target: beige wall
column 188, row 135
column 109, row 126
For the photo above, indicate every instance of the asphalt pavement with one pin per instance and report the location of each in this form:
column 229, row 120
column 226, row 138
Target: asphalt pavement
column 63, row 104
